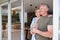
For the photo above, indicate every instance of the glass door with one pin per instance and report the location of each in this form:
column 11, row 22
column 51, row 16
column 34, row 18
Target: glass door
column 4, row 22
column 12, row 20
column 16, row 20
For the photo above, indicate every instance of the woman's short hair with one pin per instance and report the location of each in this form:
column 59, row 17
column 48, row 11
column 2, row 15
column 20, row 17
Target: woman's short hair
column 36, row 9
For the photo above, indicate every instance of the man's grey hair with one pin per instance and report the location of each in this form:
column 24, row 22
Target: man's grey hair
column 45, row 4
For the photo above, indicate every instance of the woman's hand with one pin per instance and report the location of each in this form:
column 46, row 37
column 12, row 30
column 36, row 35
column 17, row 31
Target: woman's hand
column 35, row 30
column 31, row 32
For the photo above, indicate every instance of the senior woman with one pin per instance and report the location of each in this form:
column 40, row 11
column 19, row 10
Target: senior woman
column 33, row 23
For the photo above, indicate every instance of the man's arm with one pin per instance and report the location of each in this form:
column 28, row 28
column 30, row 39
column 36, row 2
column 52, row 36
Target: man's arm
column 48, row 33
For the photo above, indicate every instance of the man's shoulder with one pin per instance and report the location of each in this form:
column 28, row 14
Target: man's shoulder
column 51, row 17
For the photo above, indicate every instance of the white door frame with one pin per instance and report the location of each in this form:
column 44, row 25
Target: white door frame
column 22, row 20
column 0, row 23
column 9, row 22
column 55, row 19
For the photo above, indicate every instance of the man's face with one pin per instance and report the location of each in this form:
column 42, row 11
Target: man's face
column 43, row 9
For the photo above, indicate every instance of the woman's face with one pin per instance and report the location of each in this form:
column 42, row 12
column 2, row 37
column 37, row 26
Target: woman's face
column 37, row 13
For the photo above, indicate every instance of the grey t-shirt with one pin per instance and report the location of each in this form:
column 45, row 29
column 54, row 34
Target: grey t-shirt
column 42, row 25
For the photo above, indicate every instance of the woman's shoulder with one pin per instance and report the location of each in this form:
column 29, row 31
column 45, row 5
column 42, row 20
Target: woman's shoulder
column 34, row 17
